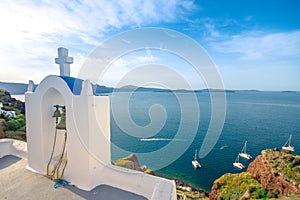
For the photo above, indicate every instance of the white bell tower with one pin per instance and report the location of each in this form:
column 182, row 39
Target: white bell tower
column 82, row 152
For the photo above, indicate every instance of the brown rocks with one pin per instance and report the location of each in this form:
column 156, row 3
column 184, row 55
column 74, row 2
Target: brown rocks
column 268, row 175
column 3, row 128
column 214, row 193
column 277, row 174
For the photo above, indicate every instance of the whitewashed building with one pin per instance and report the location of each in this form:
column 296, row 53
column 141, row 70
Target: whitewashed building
column 79, row 153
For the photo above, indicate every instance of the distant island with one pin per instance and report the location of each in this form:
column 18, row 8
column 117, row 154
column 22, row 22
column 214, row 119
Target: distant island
column 14, row 88
column 288, row 91
column 21, row 88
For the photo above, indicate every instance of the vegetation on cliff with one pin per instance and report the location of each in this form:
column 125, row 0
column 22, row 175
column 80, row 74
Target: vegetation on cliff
column 238, row 186
column 272, row 174
column 14, row 128
column 131, row 162
column 284, row 163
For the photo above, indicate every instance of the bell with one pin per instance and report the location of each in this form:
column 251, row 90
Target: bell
column 62, row 123
column 56, row 114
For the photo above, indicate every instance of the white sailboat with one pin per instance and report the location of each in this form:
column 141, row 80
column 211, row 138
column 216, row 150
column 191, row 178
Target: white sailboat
column 244, row 153
column 195, row 163
column 237, row 163
column 287, row 146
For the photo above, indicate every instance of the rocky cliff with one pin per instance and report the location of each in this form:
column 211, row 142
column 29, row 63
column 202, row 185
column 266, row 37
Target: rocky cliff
column 14, row 128
column 277, row 171
column 10, row 103
column 131, row 162
column 272, row 174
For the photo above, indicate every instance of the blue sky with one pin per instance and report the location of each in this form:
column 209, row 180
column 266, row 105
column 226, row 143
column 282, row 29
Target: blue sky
column 254, row 44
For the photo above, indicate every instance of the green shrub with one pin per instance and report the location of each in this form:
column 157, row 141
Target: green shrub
column 261, row 193
column 233, row 186
column 23, row 129
column 21, row 116
column 22, row 122
column 13, row 124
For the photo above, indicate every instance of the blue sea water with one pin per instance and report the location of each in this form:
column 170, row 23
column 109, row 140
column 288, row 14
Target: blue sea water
column 263, row 119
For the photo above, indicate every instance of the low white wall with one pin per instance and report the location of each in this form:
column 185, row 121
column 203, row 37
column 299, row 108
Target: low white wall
column 151, row 187
column 13, row 147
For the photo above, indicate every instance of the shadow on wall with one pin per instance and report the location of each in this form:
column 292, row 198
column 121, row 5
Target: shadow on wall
column 6, row 161
column 106, row 192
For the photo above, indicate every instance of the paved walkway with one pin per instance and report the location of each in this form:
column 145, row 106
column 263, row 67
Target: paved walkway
column 16, row 182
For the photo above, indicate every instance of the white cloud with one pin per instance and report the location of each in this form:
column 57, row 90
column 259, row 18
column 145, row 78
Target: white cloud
column 78, row 61
column 31, row 31
column 120, row 67
column 258, row 45
column 248, row 18
column 211, row 30
column 127, row 70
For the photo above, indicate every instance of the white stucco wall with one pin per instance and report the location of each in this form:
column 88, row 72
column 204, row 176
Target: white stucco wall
column 88, row 141
column 13, row 147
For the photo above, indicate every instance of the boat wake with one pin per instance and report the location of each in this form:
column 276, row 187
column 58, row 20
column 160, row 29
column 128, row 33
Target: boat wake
column 223, row 147
column 272, row 104
column 162, row 139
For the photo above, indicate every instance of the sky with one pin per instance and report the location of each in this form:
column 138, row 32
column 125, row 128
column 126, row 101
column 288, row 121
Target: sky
column 254, row 44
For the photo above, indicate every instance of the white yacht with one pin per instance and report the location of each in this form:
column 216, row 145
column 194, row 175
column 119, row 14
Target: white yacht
column 195, row 163
column 287, row 146
column 237, row 163
column 244, row 153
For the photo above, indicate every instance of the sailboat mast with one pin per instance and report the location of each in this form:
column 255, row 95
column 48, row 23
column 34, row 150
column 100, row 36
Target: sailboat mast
column 290, row 140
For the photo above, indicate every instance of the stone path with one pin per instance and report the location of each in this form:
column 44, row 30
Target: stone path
column 16, row 182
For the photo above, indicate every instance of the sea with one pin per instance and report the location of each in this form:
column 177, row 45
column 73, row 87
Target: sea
column 20, row 97
column 164, row 130
column 264, row 119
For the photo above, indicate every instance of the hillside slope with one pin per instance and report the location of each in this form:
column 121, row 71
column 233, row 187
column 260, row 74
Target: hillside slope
column 273, row 174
